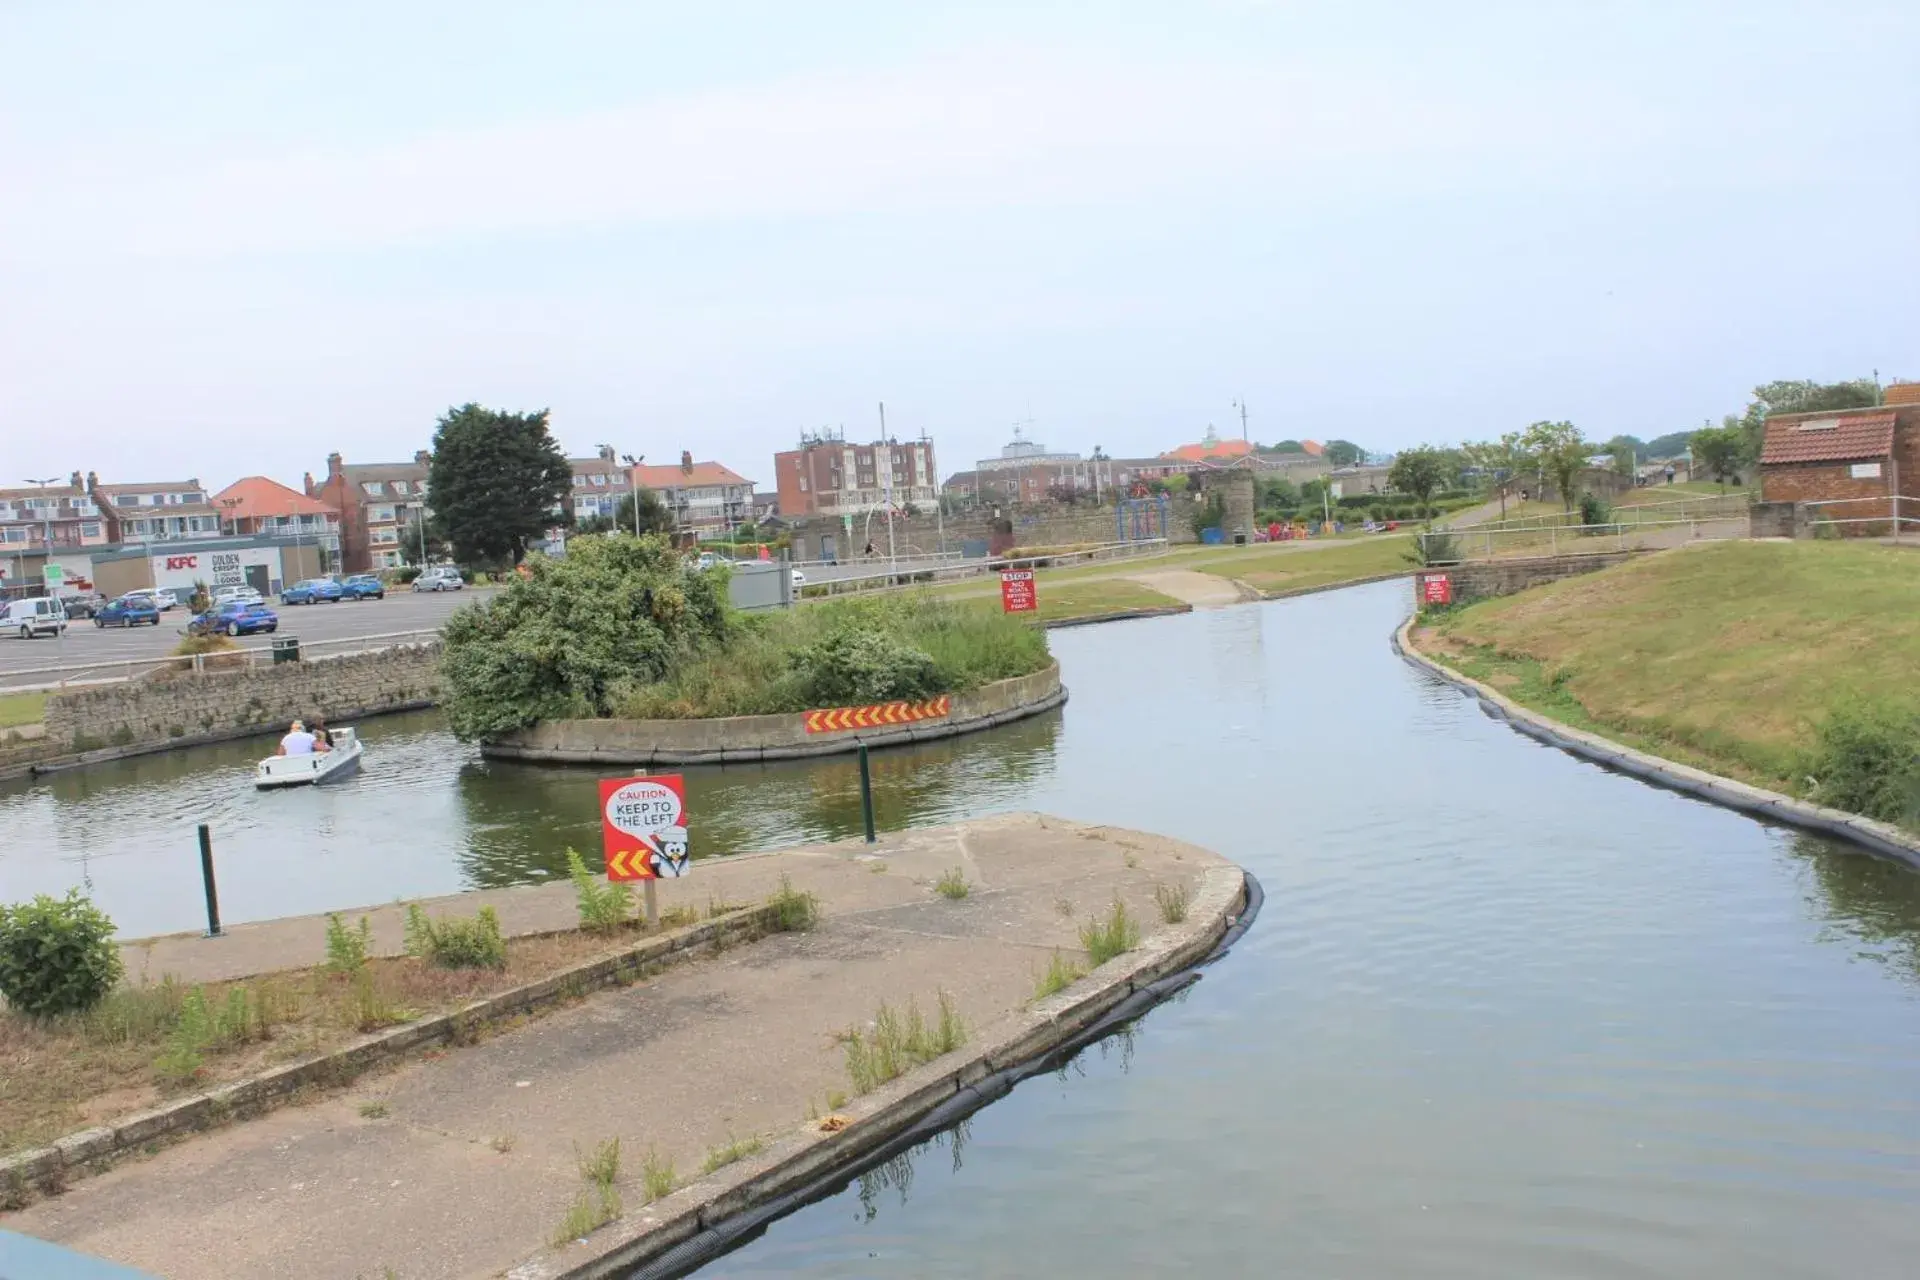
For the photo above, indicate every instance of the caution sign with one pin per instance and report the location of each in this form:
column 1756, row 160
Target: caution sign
column 1436, row 588
column 836, row 719
column 643, row 826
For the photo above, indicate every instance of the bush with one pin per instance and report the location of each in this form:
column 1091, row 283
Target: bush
column 1595, row 509
column 57, row 955
column 603, row 906
column 457, row 942
column 347, row 948
column 851, row 668
column 1867, row 761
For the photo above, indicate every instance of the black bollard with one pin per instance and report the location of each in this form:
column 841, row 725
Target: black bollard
column 206, row 876
column 866, row 793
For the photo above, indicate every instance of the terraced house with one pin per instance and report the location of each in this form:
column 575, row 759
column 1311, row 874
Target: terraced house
column 380, row 504
column 704, row 497
column 159, row 511
column 57, row 522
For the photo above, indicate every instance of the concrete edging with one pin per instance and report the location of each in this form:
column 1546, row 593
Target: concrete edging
column 1288, row 593
column 1757, row 802
column 255, row 1095
column 882, row 1116
column 1117, row 615
column 780, row 736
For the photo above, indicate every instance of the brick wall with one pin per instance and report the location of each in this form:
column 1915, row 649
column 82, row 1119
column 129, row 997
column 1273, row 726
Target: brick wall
column 1831, row 482
column 182, row 708
column 1775, row 520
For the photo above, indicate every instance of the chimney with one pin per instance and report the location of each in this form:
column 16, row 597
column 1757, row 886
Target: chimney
column 422, row 458
column 686, row 461
column 75, row 482
column 306, row 483
column 93, row 481
column 606, row 453
column 333, row 465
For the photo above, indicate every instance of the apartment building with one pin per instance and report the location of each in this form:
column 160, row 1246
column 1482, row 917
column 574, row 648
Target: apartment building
column 599, row 483
column 827, row 476
column 704, row 497
column 48, row 522
column 159, row 511
column 256, row 505
column 379, row 506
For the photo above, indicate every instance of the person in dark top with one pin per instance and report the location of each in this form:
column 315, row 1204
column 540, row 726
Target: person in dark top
column 322, row 740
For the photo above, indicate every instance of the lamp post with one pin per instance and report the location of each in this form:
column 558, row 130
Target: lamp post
column 47, row 548
column 633, row 461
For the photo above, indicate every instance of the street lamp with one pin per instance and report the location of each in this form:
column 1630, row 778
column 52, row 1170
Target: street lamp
column 633, row 461
column 47, row 556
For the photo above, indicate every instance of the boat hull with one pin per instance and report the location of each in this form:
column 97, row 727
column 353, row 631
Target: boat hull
column 277, row 772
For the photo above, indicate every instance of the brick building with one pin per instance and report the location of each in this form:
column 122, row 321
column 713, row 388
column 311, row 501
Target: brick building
column 826, row 476
column 256, row 505
column 155, row 512
column 379, row 504
column 57, row 522
column 1851, row 461
column 704, row 497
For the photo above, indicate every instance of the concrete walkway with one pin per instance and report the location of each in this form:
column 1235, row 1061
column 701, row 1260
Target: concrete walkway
column 465, row 1163
column 1190, row 586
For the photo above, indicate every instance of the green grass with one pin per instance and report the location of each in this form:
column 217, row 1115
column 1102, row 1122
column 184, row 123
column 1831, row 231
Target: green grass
column 22, row 708
column 1062, row 598
column 897, row 1043
column 1059, row 974
column 1284, row 567
column 1113, row 935
column 1173, row 901
column 1727, row 656
column 731, row 1152
column 952, row 885
column 756, row 673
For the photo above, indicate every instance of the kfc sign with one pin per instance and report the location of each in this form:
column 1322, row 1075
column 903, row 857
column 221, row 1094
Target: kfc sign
column 182, row 562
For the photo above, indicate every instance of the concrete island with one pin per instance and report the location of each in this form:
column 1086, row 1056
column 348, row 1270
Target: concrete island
column 731, row 1060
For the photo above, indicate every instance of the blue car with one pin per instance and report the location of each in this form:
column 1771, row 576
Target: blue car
column 313, row 591
column 235, row 618
column 128, row 611
column 364, row 586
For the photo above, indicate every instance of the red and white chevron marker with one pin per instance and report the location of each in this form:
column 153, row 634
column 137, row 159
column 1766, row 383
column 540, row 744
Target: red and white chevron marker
column 840, row 719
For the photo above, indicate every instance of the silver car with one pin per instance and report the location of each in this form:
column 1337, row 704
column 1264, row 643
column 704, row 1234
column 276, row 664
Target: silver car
column 439, row 580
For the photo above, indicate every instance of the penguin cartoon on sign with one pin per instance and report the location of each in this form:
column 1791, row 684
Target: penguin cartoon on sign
column 670, row 862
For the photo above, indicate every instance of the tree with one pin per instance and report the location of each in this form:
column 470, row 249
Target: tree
column 420, row 542
column 1799, row 396
column 498, row 481
column 1560, row 452
column 1344, row 453
column 1626, row 454
column 1721, row 449
column 1283, row 446
column 1278, row 493
column 654, row 516
column 1419, row 472
column 1671, row 445
column 1501, row 460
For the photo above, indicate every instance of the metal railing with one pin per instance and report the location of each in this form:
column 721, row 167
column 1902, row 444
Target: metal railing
column 1456, row 546
column 246, row 656
column 1887, row 515
column 908, row 576
column 1665, row 510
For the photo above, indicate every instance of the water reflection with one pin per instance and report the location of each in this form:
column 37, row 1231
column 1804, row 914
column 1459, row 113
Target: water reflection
column 1871, row 899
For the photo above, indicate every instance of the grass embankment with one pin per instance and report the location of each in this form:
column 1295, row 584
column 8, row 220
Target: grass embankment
column 22, row 708
column 901, row 645
column 1731, row 657
column 1072, row 600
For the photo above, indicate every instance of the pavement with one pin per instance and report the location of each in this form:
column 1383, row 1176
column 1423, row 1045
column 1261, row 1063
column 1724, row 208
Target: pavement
column 463, row 1163
column 1201, row 590
column 402, row 610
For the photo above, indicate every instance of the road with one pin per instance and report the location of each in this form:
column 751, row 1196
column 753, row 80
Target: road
column 85, row 643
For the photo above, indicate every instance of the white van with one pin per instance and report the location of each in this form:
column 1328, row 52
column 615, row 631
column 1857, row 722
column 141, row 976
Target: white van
column 40, row 616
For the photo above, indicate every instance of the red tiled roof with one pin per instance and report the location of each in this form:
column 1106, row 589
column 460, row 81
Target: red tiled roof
column 672, row 477
column 1202, row 451
column 258, row 496
column 1838, row 438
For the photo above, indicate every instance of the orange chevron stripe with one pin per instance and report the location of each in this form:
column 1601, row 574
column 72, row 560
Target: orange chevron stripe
column 840, row 719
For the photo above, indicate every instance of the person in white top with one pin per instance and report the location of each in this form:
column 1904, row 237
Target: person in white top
column 298, row 741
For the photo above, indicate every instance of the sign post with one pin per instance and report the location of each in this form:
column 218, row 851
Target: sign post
column 1018, row 594
column 643, row 828
column 1436, row 588
column 53, row 576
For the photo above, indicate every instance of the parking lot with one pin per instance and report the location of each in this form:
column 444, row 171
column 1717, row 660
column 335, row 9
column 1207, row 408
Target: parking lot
column 402, row 610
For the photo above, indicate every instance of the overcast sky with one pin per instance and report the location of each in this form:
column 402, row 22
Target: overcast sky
column 235, row 237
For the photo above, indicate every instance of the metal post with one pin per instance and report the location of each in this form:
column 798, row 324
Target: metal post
column 652, row 900
column 206, row 875
column 866, row 793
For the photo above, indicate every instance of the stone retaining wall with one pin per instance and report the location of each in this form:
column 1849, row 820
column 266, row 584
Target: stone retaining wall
column 732, row 739
column 1482, row 579
column 182, row 708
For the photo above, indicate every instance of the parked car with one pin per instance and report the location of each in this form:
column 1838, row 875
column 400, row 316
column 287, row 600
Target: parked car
column 235, row 618
column 313, row 591
column 246, row 595
column 129, row 611
column 799, row 578
column 39, row 616
column 78, row 607
column 364, row 586
column 443, row 578
column 163, row 598
column 146, row 596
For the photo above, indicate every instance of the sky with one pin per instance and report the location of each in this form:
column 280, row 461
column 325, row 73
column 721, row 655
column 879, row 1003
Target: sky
column 235, row 237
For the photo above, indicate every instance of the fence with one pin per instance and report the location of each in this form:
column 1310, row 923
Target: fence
column 1458, row 546
column 1879, row 517
column 1663, row 511
column 905, row 575
column 116, row 670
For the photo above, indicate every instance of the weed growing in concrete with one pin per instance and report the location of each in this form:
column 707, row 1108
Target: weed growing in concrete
column 347, row 948
column 679, row 917
column 717, row 908
column 1174, row 899
column 952, row 885
column 591, row 1209
column 896, row 1043
column 794, row 911
column 191, row 1036
column 1064, row 906
column 603, row 906
column 1116, row 935
column 602, row 1165
column 502, row 1142
column 1132, row 862
column 363, row 1007
column 656, row 1175
column 457, row 942
column 736, row 1149
column 1059, row 974
column 373, row 1111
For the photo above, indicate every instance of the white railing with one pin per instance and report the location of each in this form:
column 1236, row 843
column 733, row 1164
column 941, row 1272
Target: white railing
column 118, row 670
column 1453, row 546
column 1894, row 511
column 1664, row 510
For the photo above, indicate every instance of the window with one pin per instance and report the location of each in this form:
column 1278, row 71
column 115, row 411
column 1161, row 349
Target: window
column 400, row 486
column 598, row 480
column 373, row 488
column 380, row 515
column 384, row 537
column 194, row 497
column 91, row 529
column 16, row 535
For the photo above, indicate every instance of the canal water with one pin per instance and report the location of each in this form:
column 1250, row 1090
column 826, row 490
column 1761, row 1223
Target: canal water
column 1505, row 1014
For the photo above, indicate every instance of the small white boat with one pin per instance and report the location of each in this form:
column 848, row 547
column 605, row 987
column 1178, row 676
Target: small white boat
column 311, row 770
